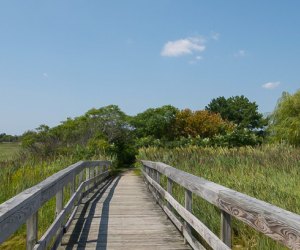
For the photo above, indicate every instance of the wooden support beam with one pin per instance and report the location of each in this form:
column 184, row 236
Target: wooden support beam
column 170, row 191
column 31, row 231
column 92, row 174
column 87, row 177
column 73, row 185
column 188, row 207
column 80, row 178
column 59, row 201
column 226, row 228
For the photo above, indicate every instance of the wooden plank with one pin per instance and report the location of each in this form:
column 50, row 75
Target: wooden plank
column 122, row 215
column 73, row 185
column 188, row 206
column 170, row 191
column 80, row 178
column 226, row 228
column 87, row 177
column 59, row 201
column 31, row 231
column 275, row 222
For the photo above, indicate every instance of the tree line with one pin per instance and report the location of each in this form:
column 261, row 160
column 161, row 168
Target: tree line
column 230, row 122
column 8, row 138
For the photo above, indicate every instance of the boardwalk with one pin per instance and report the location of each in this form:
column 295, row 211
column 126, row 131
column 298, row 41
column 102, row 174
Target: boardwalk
column 123, row 215
column 119, row 212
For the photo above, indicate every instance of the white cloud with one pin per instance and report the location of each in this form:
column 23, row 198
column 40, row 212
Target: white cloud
column 45, row 75
column 271, row 85
column 182, row 47
column 240, row 53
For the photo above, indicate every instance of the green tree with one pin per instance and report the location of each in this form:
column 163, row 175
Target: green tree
column 239, row 110
column 155, row 122
column 285, row 120
column 113, row 124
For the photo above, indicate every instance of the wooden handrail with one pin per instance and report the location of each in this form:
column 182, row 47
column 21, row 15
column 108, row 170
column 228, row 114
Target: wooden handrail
column 277, row 223
column 23, row 208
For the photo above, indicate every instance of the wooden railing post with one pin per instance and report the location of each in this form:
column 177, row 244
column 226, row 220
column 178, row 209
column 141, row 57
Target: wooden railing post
column 170, row 190
column 188, row 206
column 148, row 173
column 80, row 178
column 59, row 207
column 87, row 177
column 96, row 170
column 226, row 228
column 59, row 201
column 92, row 174
column 158, row 174
column 31, row 231
column 158, row 181
column 73, row 185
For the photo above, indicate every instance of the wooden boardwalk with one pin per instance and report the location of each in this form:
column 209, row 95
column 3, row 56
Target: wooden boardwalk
column 123, row 215
column 120, row 213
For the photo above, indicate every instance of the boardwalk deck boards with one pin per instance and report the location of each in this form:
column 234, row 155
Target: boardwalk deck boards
column 122, row 215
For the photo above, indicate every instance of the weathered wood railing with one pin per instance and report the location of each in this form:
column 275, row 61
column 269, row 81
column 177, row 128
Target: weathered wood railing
column 277, row 223
column 23, row 208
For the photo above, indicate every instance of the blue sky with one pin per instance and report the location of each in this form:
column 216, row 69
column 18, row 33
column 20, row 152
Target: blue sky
column 60, row 58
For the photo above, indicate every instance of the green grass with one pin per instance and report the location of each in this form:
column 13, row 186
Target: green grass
column 8, row 150
column 269, row 173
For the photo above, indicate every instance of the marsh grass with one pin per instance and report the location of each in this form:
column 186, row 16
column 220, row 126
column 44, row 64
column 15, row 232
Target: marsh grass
column 269, row 173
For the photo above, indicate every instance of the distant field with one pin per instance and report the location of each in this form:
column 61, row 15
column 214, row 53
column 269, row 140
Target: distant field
column 8, row 150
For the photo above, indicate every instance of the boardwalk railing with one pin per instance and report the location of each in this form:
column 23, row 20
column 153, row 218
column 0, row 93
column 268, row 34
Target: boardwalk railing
column 277, row 223
column 23, row 208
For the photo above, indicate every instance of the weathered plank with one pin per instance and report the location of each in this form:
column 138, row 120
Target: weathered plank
column 122, row 215
column 277, row 223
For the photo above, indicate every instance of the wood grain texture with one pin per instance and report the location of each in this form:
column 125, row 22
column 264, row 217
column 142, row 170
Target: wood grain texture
column 277, row 223
column 122, row 215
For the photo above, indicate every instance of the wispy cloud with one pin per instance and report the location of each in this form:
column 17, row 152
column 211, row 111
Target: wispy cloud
column 271, row 85
column 45, row 75
column 183, row 47
column 240, row 53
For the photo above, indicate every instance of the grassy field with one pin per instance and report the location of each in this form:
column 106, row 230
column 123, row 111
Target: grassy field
column 8, row 150
column 269, row 173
